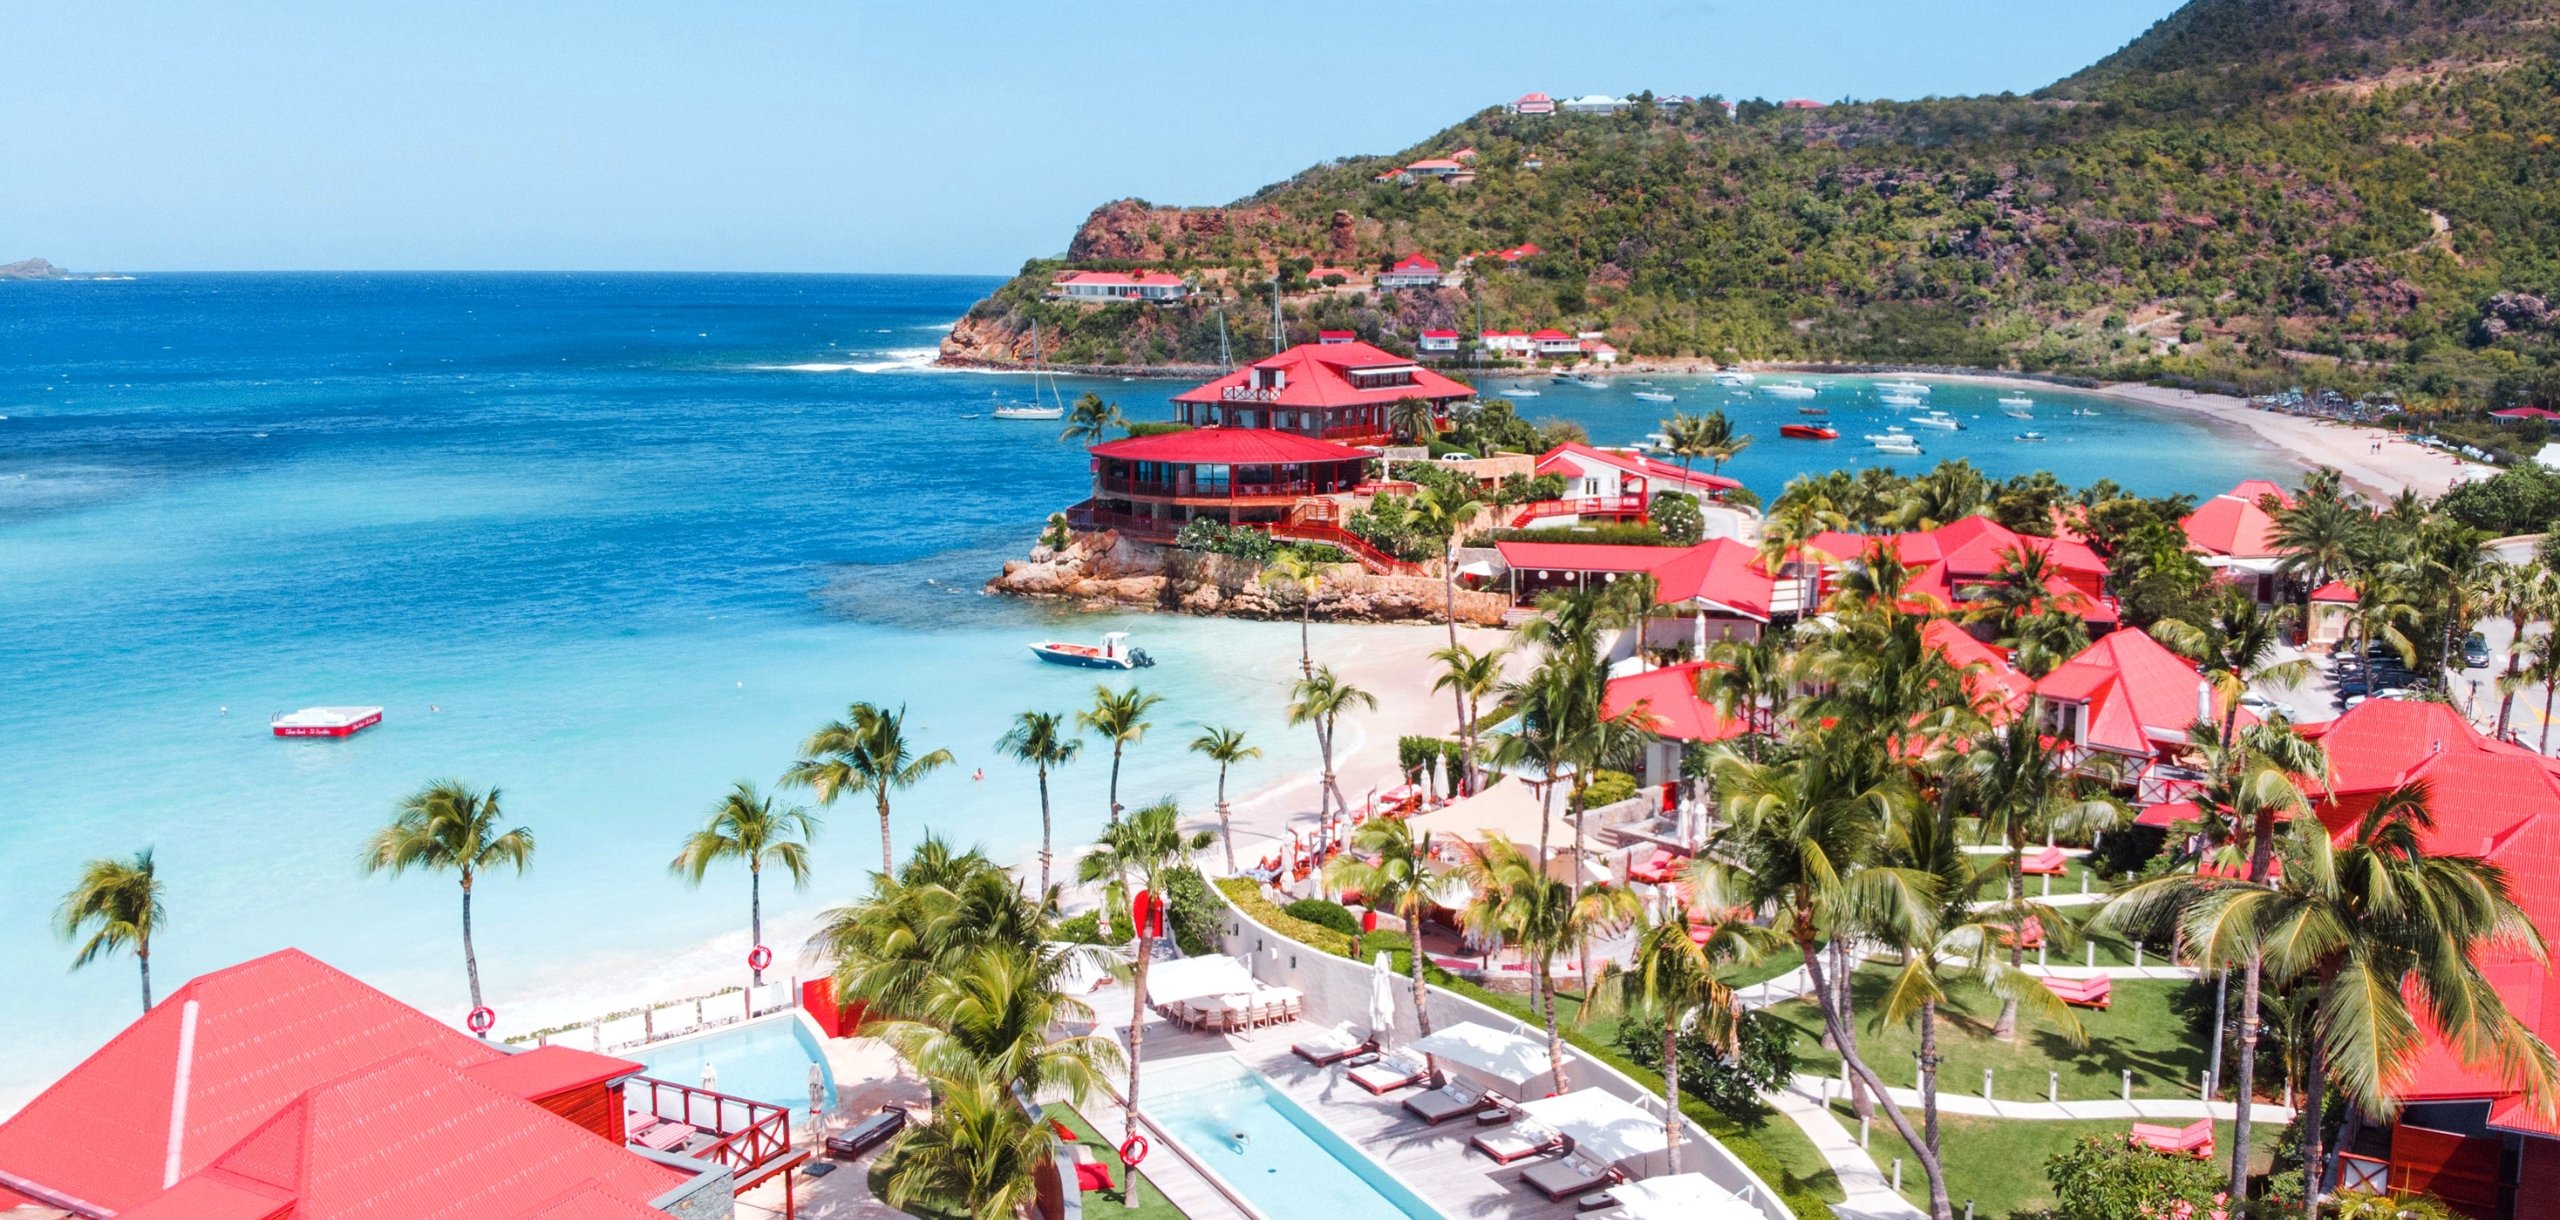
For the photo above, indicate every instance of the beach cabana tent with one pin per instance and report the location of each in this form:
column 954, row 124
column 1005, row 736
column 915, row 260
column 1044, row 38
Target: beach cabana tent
column 1508, row 1062
column 1190, row 978
column 1602, row 1125
column 1509, row 809
column 1680, row 1196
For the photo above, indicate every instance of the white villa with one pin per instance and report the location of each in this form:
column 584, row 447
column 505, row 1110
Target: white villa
column 1097, row 287
column 1413, row 271
column 1504, row 342
column 1532, row 103
column 1437, row 342
column 1594, row 103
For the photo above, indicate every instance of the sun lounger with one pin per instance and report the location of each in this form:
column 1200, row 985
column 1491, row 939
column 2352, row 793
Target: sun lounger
column 636, row 1121
column 1517, row 1142
column 664, row 1136
column 2046, row 863
column 2195, row 1139
column 1570, row 1175
column 1330, row 1045
column 868, row 1134
column 1440, row 1105
column 2086, row 993
column 1396, row 1071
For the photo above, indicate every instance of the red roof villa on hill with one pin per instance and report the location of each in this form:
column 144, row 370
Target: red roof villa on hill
column 281, row 1089
column 1104, row 286
column 1412, row 271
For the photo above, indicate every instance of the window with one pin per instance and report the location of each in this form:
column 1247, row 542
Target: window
column 1209, row 480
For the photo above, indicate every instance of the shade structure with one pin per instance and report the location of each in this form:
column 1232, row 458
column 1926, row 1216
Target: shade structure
column 1382, row 997
column 1512, row 1061
column 1510, row 809
column 1680, row 1196
column 1192, row 977
column 1476, row 567
column 1601, row 1125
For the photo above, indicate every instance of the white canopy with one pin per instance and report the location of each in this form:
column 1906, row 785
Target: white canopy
column 1192, row 977
column 1682, row 1196
column 1510, row 809
column 1514, row 1060
column 1475, row 567
column 1601, row 1125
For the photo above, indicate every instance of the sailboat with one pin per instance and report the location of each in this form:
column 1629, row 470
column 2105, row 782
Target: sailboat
column 1033, row 410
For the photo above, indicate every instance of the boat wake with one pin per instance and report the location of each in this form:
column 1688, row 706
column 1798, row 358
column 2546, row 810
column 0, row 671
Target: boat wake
column 899, row 360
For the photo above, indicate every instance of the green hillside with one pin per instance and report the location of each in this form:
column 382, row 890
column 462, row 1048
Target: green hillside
column 2255, row 191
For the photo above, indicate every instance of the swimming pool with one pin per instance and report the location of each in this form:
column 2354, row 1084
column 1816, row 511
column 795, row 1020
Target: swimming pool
column 766, row 1061
column 1288, row 1164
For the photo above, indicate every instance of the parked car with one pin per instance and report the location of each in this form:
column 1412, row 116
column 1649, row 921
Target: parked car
column 2475, row 651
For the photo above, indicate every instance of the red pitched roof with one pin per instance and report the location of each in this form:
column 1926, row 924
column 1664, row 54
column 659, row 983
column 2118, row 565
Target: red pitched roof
column 1549, row 333
column 1668, row 698
column 1578, row 457
column 1989, row 676
column 1414, row 263
column 2233, row 524
column 1719, row 571
column 2524, row 413
column 1121, row 279
column 2139, row 695
column 1231, row 446
column 1525, row 249
column 2335, row 591
column 1439, row 334
column 265, row 1033
column 1319, row 375
column 1961, row 554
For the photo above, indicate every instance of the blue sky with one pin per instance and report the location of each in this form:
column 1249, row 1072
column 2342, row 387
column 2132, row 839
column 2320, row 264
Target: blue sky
column 952, row 136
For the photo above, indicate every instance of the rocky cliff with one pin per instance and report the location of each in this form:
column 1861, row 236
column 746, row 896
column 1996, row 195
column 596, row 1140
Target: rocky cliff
column 1104, row 571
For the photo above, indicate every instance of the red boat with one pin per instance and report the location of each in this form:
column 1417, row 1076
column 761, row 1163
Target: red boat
column 326, row 721
column 1809, row 432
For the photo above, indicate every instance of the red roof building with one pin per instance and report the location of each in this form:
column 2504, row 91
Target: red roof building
column 2515, row 413
column 1552, row 342
column 2236, row 535
column 2126, row 695
column 1149, row 487
column 1997, row 687
column 1437, row 342
column 1519, row 252
column 1668, row 700
column 1104, row 286
column 281, row 1089
column 1719, row 579
column 1412, row 271
column 1532, row 103
column 1961, row 559
column 1335, row 338
column 1325, row 391
column 2501, row 803
column 1613, row 485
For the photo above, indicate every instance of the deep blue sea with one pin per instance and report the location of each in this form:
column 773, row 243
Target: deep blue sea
column 609, row 543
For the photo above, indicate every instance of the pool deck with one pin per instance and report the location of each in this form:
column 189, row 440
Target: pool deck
column 1435, row 1162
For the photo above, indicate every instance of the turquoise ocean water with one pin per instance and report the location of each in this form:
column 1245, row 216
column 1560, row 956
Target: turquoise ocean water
column 607, row 542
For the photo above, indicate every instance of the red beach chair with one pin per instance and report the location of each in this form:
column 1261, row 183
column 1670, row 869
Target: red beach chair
column 2046, row 863
column 2195, row 1139
column 2084, row 993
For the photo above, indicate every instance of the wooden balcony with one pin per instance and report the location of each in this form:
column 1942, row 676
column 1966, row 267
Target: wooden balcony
column 750, row 1138
column 1186, row 491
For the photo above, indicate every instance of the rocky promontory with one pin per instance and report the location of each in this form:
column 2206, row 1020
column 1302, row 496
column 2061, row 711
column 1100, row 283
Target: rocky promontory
column 1105, row 571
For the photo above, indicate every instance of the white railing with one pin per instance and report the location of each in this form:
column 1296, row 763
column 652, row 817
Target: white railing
column 660, row 1020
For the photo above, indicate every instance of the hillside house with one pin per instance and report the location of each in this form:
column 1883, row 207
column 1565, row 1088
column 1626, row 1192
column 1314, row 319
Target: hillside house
column 1100, row 287
column 1412, row 271
column 1531, row 103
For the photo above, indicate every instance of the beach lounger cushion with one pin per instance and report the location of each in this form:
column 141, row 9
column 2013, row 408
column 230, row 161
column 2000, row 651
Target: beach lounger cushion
column 2048, row 862
column 868, row 1134
column 1440, row 1105
column 664, row 1137
column 2095, row 992
column 1519, row 1141
column 1330, row 1046
column 2195, row 1139
column 1568, row 1176
column 1390, row 1073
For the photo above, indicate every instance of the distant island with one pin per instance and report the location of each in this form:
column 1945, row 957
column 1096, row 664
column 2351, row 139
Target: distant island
column 2254, row 195
column 38, row 269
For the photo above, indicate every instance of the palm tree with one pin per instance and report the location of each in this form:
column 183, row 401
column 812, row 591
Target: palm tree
column 1797, row 517
column 1442, row 513
column 1399, row 879
column 1685, row 436
column 1412, row 419
column 865, row 751
column 2016, row 781
column 1225, row 747
column 1142, row 849
column 1040, row 740
column 449, row 827
column 2520, row 595
column 1092, row 419
column 1801, row 839
column 2541, row 668
column 1718, row 442
column 1304, row 576
column 748, row 827
column 1673, row 979
column 1748, row 682
column 1118, row 717
column 2320, row 536
column 2236, row 647
column 1516, row 903
column 1320, row 700
column 929, row 918
column 1468, row 676
column 118, row 903
column 2387, row 934
column 996, row 1012
column 980, row 1154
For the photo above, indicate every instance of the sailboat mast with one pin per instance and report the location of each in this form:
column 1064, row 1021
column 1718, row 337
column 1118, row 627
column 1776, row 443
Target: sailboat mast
column 1226, row 361
column 1276, row 332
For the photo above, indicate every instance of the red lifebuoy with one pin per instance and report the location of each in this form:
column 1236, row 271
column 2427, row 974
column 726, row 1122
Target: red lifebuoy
column 1133, row 1150
column 482, row 1019
column 759, row 957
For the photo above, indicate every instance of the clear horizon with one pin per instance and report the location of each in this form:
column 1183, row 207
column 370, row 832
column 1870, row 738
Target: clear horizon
column 944, row 140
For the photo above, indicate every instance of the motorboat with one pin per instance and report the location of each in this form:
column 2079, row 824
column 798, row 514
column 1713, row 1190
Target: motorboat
column 1790, row 389
column 1589, row 382
column 325, row 721
column 1029, row 413
column 2017, row 412
column 1902, row 445
column 1901, row 400
column 2031, row 436
column 1523, row 392
column 2086, row 411
column 1730, row 377
column 1113, row 653
column 1809, row 432
column 1656, row 396
column 1902, row 386
column 1939, row 420
column 1654, row 442
column 1813, row 410
column 2016, row 400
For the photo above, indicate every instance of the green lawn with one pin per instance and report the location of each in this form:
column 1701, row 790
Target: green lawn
column 2143, row 1031
column 1151, row 1202
column 1999, row 1163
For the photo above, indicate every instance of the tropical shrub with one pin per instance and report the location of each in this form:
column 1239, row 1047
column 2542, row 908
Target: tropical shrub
column 1217, row 537
column 1324, row 913
column 1250, row 899
column 1608, row 788
column 1678, row 518
column 1764, row 1060
column 2101, row 1178
column 1195, row 919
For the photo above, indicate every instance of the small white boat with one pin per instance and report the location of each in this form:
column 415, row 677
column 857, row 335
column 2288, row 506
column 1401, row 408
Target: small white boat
column 1901, row 400
column 2016, row 400
column 1902, row 445
column 1938, row 419
column 1033, row 410
column 1656, row 396
column 1029, row 413
column 1896, row 437
column 1902, row 386
column 1790, row 389
column 2017, row 413
column 1113, row 653
column 325, row 721
column 1523, row 392
column 2084, row 411
column 1654, row 442
column 1589, row 382
column 1730, row 378
column 2031, row 436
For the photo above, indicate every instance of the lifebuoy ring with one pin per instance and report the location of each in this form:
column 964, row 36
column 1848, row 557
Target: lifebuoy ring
column 1133, row 1150
column 759, row 957
column 482, row 1019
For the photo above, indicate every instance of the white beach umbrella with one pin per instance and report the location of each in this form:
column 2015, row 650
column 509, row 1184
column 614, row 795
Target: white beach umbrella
column 1382, row 997
column 710, row 1078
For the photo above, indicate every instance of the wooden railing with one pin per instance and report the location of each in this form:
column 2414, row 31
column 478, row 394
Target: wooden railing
column 1371, row 558
column 1585, row 506
column 751, row 1134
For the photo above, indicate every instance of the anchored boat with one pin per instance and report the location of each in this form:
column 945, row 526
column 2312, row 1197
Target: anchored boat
column 1809, row 432
column 325, row 721
column 1656, row 396
column 1789, row 389
column 1113, row 653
